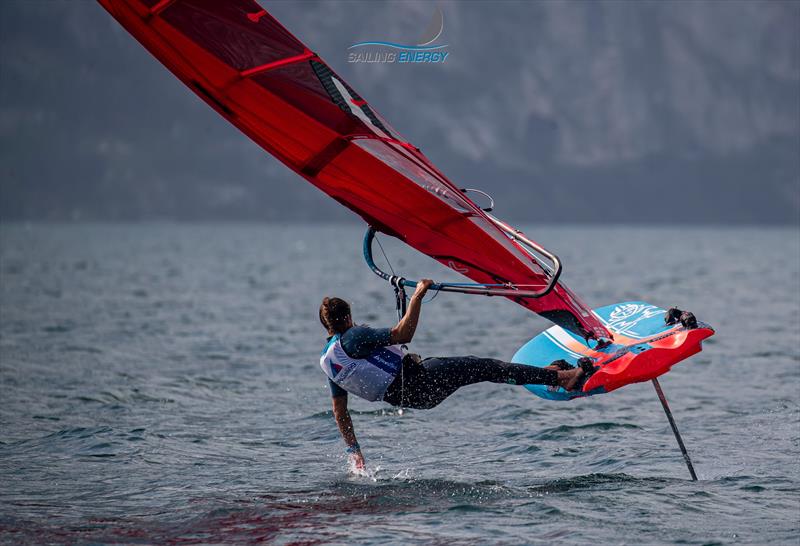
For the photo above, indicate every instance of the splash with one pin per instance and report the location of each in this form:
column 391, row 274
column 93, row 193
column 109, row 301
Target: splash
column 357, row 471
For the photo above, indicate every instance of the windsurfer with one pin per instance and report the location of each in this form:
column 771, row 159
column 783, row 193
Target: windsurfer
column 370, row 363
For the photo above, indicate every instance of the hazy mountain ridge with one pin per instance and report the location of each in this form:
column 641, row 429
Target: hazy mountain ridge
column 563, row 110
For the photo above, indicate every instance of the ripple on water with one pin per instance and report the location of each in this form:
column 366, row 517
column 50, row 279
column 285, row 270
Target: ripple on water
column 137, row 407
column 599, row 481
column 566, row 431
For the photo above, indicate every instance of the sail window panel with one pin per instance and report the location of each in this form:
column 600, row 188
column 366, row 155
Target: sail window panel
column 498, row 235
column 298, row 85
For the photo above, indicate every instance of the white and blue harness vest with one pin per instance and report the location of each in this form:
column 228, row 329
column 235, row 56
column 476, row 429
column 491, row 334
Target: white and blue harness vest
column 367, row 377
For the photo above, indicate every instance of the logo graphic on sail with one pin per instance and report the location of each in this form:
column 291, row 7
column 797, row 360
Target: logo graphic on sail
column 424, row 51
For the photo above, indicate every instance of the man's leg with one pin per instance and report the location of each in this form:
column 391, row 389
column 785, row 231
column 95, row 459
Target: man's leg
column 442, row 376
column 459, row 371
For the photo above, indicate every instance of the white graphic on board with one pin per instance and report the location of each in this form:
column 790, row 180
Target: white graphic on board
column 625, row 317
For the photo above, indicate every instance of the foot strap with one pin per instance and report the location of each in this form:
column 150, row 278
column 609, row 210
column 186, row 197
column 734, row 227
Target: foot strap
column 587, row 365
column 675, row 316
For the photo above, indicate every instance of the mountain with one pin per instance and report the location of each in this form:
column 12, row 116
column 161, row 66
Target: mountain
column 565, row 111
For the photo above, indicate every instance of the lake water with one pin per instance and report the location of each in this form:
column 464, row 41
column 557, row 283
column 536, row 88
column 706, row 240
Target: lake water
column 160, row 384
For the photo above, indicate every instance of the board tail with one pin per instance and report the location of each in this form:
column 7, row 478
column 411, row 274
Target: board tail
column 645, row 347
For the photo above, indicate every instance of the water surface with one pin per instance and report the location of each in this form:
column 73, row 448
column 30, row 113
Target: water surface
column 160, row 384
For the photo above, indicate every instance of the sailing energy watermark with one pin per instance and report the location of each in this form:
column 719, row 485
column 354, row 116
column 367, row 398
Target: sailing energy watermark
column 397, row 57
column 425, row 51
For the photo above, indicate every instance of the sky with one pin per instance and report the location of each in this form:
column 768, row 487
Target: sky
column 599, row 112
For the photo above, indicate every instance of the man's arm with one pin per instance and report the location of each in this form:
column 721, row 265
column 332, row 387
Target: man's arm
column 345, row 425
column 404, row 331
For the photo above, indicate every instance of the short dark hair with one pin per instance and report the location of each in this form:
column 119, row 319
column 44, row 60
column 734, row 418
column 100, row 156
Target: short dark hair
column 333, row 314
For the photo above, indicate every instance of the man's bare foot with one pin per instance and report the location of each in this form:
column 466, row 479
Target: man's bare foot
column 569, row 379
column 560, row 364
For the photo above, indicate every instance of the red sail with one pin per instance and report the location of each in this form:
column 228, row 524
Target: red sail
column 251, row 70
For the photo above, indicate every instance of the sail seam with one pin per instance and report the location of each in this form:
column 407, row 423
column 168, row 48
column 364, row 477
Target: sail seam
column 277, row 64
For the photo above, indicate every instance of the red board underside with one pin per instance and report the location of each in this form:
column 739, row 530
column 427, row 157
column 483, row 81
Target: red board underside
column 252, row 71
column 636, row 368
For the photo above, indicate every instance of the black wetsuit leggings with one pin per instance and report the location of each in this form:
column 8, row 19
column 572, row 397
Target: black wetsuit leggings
column 426, row 384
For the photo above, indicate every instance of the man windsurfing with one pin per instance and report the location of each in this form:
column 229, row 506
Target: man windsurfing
column 370, row 363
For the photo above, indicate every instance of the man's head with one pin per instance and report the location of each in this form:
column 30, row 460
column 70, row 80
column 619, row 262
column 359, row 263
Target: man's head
column 334, row 314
